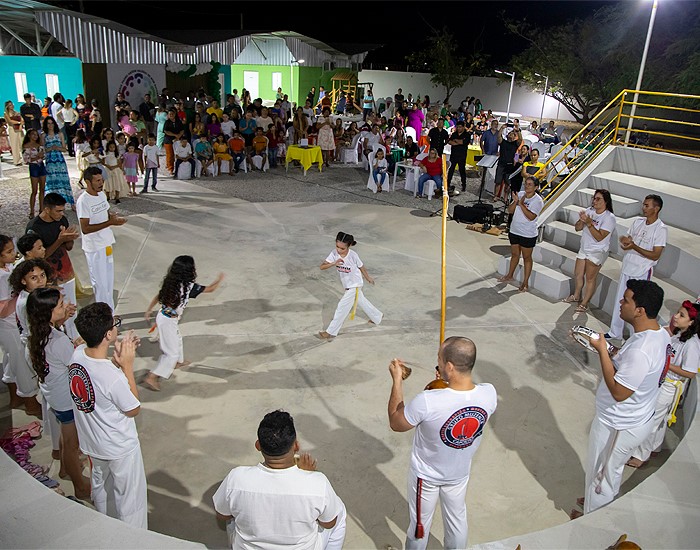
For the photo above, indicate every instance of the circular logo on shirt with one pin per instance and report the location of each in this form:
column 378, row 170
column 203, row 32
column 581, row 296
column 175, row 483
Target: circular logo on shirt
column 463, row 427
column 81, row 388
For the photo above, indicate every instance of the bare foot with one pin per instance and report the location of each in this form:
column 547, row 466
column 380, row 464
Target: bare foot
column 183, row 365
column 325, row 336
column 523, row 288
column 504, row 279
column 56, row 454
column 580, row 501
column 575, row 514
column 371, row 322
column 151, row 382
column 635, row 463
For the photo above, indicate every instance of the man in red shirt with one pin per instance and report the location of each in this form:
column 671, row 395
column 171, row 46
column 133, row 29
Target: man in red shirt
column 237, row 146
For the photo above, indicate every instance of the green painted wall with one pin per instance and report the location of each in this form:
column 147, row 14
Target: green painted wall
column 308, row 76
column 68, row 69
column 300, row 77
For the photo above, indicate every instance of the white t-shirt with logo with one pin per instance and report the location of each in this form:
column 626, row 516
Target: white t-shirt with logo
column 602, row 222
column 9, row 322
column 640, row 366
column 349, row 270
column 96, row 209
column 449, row 425
column 646, row 237
column 686, row 355
column 520, row 225
column 101, row 396
column 56, row 386
column 277, row 509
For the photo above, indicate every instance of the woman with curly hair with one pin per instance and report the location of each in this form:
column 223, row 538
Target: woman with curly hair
column 50, row 352
column 177, row 288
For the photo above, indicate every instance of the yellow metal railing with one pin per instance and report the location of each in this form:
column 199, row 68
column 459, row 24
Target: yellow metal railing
column 619, row 123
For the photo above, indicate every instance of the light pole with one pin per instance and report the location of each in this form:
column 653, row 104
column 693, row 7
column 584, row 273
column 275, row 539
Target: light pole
column 544, row 94
column 641, row 72
column 510, row 94
column 291, row 75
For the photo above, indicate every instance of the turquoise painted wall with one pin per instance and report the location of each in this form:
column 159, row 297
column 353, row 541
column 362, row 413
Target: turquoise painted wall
column 226, row 71
column 68, row 69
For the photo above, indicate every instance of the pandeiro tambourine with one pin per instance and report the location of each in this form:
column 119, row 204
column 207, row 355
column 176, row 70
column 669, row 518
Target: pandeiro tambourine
column 584, row 335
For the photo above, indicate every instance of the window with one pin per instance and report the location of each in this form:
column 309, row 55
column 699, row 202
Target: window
column 52, row 85
column 21, row 85
column 276, row 81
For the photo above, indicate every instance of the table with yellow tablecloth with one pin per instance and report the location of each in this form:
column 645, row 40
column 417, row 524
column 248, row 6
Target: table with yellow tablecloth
column 473, row 151
column 305, row 155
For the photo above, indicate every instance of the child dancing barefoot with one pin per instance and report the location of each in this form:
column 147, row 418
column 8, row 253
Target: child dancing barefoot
column 351, row 271
column 177, row 288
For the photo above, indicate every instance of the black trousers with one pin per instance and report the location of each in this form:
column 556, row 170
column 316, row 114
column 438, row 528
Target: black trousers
column 178, row 162
column 462, row 163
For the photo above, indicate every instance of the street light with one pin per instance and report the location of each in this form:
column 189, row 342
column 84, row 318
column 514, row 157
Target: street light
column 641, row 72
column 291, row 74
column 544, row 95
column 510, row 94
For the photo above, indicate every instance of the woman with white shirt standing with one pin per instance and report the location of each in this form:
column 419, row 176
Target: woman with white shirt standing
column 69, row 116
column 525, row 208
column 597, row 223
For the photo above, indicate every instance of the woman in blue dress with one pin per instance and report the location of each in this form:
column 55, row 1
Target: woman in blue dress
column 57, row 179
column 161, row 117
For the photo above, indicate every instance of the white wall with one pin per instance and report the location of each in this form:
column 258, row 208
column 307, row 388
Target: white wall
column 493, row 93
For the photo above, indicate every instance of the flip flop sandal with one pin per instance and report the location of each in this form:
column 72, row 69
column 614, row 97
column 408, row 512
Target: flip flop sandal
column 581, row 308
column 570, row 300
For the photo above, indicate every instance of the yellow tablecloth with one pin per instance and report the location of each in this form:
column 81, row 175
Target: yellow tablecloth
column 306, row 156
column 472, row 151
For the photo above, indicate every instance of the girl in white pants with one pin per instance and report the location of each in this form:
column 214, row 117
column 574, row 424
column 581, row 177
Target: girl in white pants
column 685, row 362
column 177, row 288
column 351, row 271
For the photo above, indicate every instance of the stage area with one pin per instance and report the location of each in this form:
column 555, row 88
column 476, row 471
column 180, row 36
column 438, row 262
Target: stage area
column 253, row 349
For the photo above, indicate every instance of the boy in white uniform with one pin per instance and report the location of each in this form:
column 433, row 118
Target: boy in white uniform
column 644, row 243
column 96, row 223
column 626, row 396
column 449, row 423
column 105, row 402
column 281, row 502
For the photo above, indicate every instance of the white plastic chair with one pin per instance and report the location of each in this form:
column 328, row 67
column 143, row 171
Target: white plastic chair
column 411, row 132
column 198, row 168
column 184, row 171
column 349, row 154
column 370, row 181
column 543, row 148
column 257, row 161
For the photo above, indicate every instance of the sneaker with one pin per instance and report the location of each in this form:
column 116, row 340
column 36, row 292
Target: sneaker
column 143, row 191
column 154, row 189
column 117, row 201
column 464, row 187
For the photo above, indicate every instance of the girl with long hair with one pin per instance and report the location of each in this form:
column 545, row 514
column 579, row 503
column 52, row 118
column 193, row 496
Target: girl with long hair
column 14, row 129
column 50, row 352
column 33, row 154
column 178, row 287
column 57, row 178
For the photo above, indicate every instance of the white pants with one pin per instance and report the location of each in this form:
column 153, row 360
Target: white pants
column 345, row 306
column 664, row 403
column 50, row 426
column 331, row 539
column 170, row 345
column 454, row 512
column 101, row 268
column 617, row 325
column 119, row 488
column 68, row 289
column 15, row 368
column 608, row 450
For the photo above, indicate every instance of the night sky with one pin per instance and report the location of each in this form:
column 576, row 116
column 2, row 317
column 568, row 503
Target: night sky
column 390, row 29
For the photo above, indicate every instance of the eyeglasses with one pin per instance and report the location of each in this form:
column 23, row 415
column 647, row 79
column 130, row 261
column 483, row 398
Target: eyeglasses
column 117, row 322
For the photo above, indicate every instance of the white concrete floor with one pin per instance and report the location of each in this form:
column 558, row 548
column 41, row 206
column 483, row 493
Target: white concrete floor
column 253, row 349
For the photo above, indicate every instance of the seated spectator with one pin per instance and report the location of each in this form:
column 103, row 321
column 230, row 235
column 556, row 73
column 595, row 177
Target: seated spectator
column 309, row 112
column 237, row 146
column 431, row 166
column 205, row 154
column 183, row 153
column 281, row 502
column 247, row 128
column 214, row 126
column 221, row 153
column 372, row 139
column 379, row 169
column 257, row 107
column 227, row 126
column 231, row 106
column 534, row 130
column 214, row 109
column 534, row 161
column 181, row 113
column 264, row 120
column 276, row 108
column 197, row 127
column 412, row 150
column 281, row 144
column 201, row 111
column 300, row 125
column 260, row 148
column 438, row 136
column 549, row 134
column 272, row 142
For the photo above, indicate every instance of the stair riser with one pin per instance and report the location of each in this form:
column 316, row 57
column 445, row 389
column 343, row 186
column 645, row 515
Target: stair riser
column 541, row 281
column 584, row 198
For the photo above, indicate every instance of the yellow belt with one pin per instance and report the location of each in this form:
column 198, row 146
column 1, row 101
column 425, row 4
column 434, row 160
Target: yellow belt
column 676, row 400
column 354, row 305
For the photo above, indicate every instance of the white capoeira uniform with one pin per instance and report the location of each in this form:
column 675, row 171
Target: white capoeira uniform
column 97, row 246
column 686, row 355
column 351, row 278
column 170, row 338
column 280, row 508
column 449, row 425
column 636, row 266
column 620, row 426
column 592, row 250
column 15, row 368
column 101, row 395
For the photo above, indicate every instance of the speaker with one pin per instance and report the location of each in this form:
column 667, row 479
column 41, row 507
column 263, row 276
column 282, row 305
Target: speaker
column 479, row 213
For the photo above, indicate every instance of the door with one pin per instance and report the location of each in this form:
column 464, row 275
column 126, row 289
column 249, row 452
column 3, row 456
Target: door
column 250, row 83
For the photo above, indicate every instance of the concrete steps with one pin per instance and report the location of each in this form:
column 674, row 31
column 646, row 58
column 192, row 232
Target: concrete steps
column 548, row 281
column 623, row 206
column 681, row 202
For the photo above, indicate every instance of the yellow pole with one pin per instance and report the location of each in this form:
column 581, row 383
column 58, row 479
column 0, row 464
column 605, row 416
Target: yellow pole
column 445, row 201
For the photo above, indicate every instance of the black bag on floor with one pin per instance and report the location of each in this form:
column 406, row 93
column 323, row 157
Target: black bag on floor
column 478, row 213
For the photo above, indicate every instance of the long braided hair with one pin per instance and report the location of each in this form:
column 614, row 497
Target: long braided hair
column 180, row 273
column 40, row 306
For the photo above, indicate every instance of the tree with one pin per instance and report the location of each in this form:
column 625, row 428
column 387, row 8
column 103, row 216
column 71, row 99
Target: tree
column 589, row 61
column 447, row 68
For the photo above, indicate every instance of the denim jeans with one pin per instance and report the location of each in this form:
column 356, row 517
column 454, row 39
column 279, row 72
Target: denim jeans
column 149, row 171
column 376, row 172
column 425, row 177
column 237, row 159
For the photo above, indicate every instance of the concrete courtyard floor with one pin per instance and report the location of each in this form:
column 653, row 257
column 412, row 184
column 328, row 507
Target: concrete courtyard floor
column 253, row 349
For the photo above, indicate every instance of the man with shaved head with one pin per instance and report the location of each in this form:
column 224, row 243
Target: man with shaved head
column 449, row 423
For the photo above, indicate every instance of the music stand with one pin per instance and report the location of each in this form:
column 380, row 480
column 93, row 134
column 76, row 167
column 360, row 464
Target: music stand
column 486, row 162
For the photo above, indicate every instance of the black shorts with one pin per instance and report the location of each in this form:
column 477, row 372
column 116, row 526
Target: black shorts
column 524, row 242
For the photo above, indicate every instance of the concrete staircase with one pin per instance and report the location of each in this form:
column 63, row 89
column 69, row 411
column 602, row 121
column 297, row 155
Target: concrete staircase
column 629, row 175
